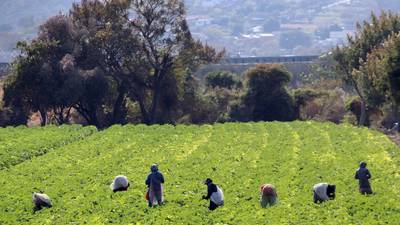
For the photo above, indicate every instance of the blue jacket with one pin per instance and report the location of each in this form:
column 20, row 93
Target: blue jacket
column 211, row 188
column 363, row 175
column 155, row 179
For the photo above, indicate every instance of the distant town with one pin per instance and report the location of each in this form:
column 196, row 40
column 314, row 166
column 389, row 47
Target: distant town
column 278, row 28
column 244, row 28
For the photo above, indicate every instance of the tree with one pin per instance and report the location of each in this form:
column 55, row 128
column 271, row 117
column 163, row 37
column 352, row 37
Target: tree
column 105, row 55
column 108, row 43
column 182, row 91
column 302, row 97
column 163, row 35
column 47, row 78
column 222, row 79
column 379, row 75
column 266, row 98
column 369, row 35
column 391, row 74
column 32, row 85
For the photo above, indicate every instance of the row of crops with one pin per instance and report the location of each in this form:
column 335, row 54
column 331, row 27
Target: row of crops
column 239, row 157
column 18, row 144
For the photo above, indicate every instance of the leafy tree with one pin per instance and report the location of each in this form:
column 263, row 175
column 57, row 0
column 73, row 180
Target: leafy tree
column 32, row 86
column 222, row 79
column 369, row 35
column 182, row 90
column 162, row 31
column 163, row 36
column 302, row 97
column 106, row 54
column 266, row 98
column 379, row 75
column 47, row 78
column 109, row 43
column 391, row 74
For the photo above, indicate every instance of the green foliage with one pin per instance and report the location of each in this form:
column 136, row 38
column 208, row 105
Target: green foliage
column 301, row 96
column 239, row 157
column 46, row 76
column 104, row 55
column 223, row 79
column 370, row 35
column 265, row 77
column 22, row 143
column 382, row 72
column 266, row 97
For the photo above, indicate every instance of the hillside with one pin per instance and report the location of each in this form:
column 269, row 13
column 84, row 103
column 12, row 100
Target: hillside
column 239, row 26
column 239, row 157
column 20, row 20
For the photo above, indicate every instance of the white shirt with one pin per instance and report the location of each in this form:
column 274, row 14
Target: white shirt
column 321, row 190
column 218, row 197
column 119, row 182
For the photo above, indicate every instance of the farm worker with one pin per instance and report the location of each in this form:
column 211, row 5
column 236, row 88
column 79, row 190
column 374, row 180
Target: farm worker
column 324, row 192
column 215, row 194
column 268, row 195
column 40, row 201
column 154, row 183
column 363, row 175
column 120, row 183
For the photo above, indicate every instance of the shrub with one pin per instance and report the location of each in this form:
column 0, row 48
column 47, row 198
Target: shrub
column 223, row 79
column 267, row 98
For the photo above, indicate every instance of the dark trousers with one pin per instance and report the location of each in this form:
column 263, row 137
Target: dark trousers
column 157, row 196
column 366, row 191
column 212, row 206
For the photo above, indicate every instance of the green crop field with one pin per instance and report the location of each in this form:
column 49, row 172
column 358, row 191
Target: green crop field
column 22, row 143
column 238, row 157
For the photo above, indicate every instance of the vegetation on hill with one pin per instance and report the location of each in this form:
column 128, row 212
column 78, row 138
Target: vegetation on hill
column 238, row 157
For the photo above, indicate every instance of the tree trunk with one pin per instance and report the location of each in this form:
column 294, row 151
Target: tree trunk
column 363, row 110
column 118, row 115
column 59, row 115
column 153, row 110
column 156, row 96
column 296, row 113
column 89, row 115
column 395, row 109
column 68, row 115
column 143, row 110
column 94, row 120
column 363, row 114
column 43, row 115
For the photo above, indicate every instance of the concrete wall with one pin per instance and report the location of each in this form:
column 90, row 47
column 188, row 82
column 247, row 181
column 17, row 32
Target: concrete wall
column 272, row 59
